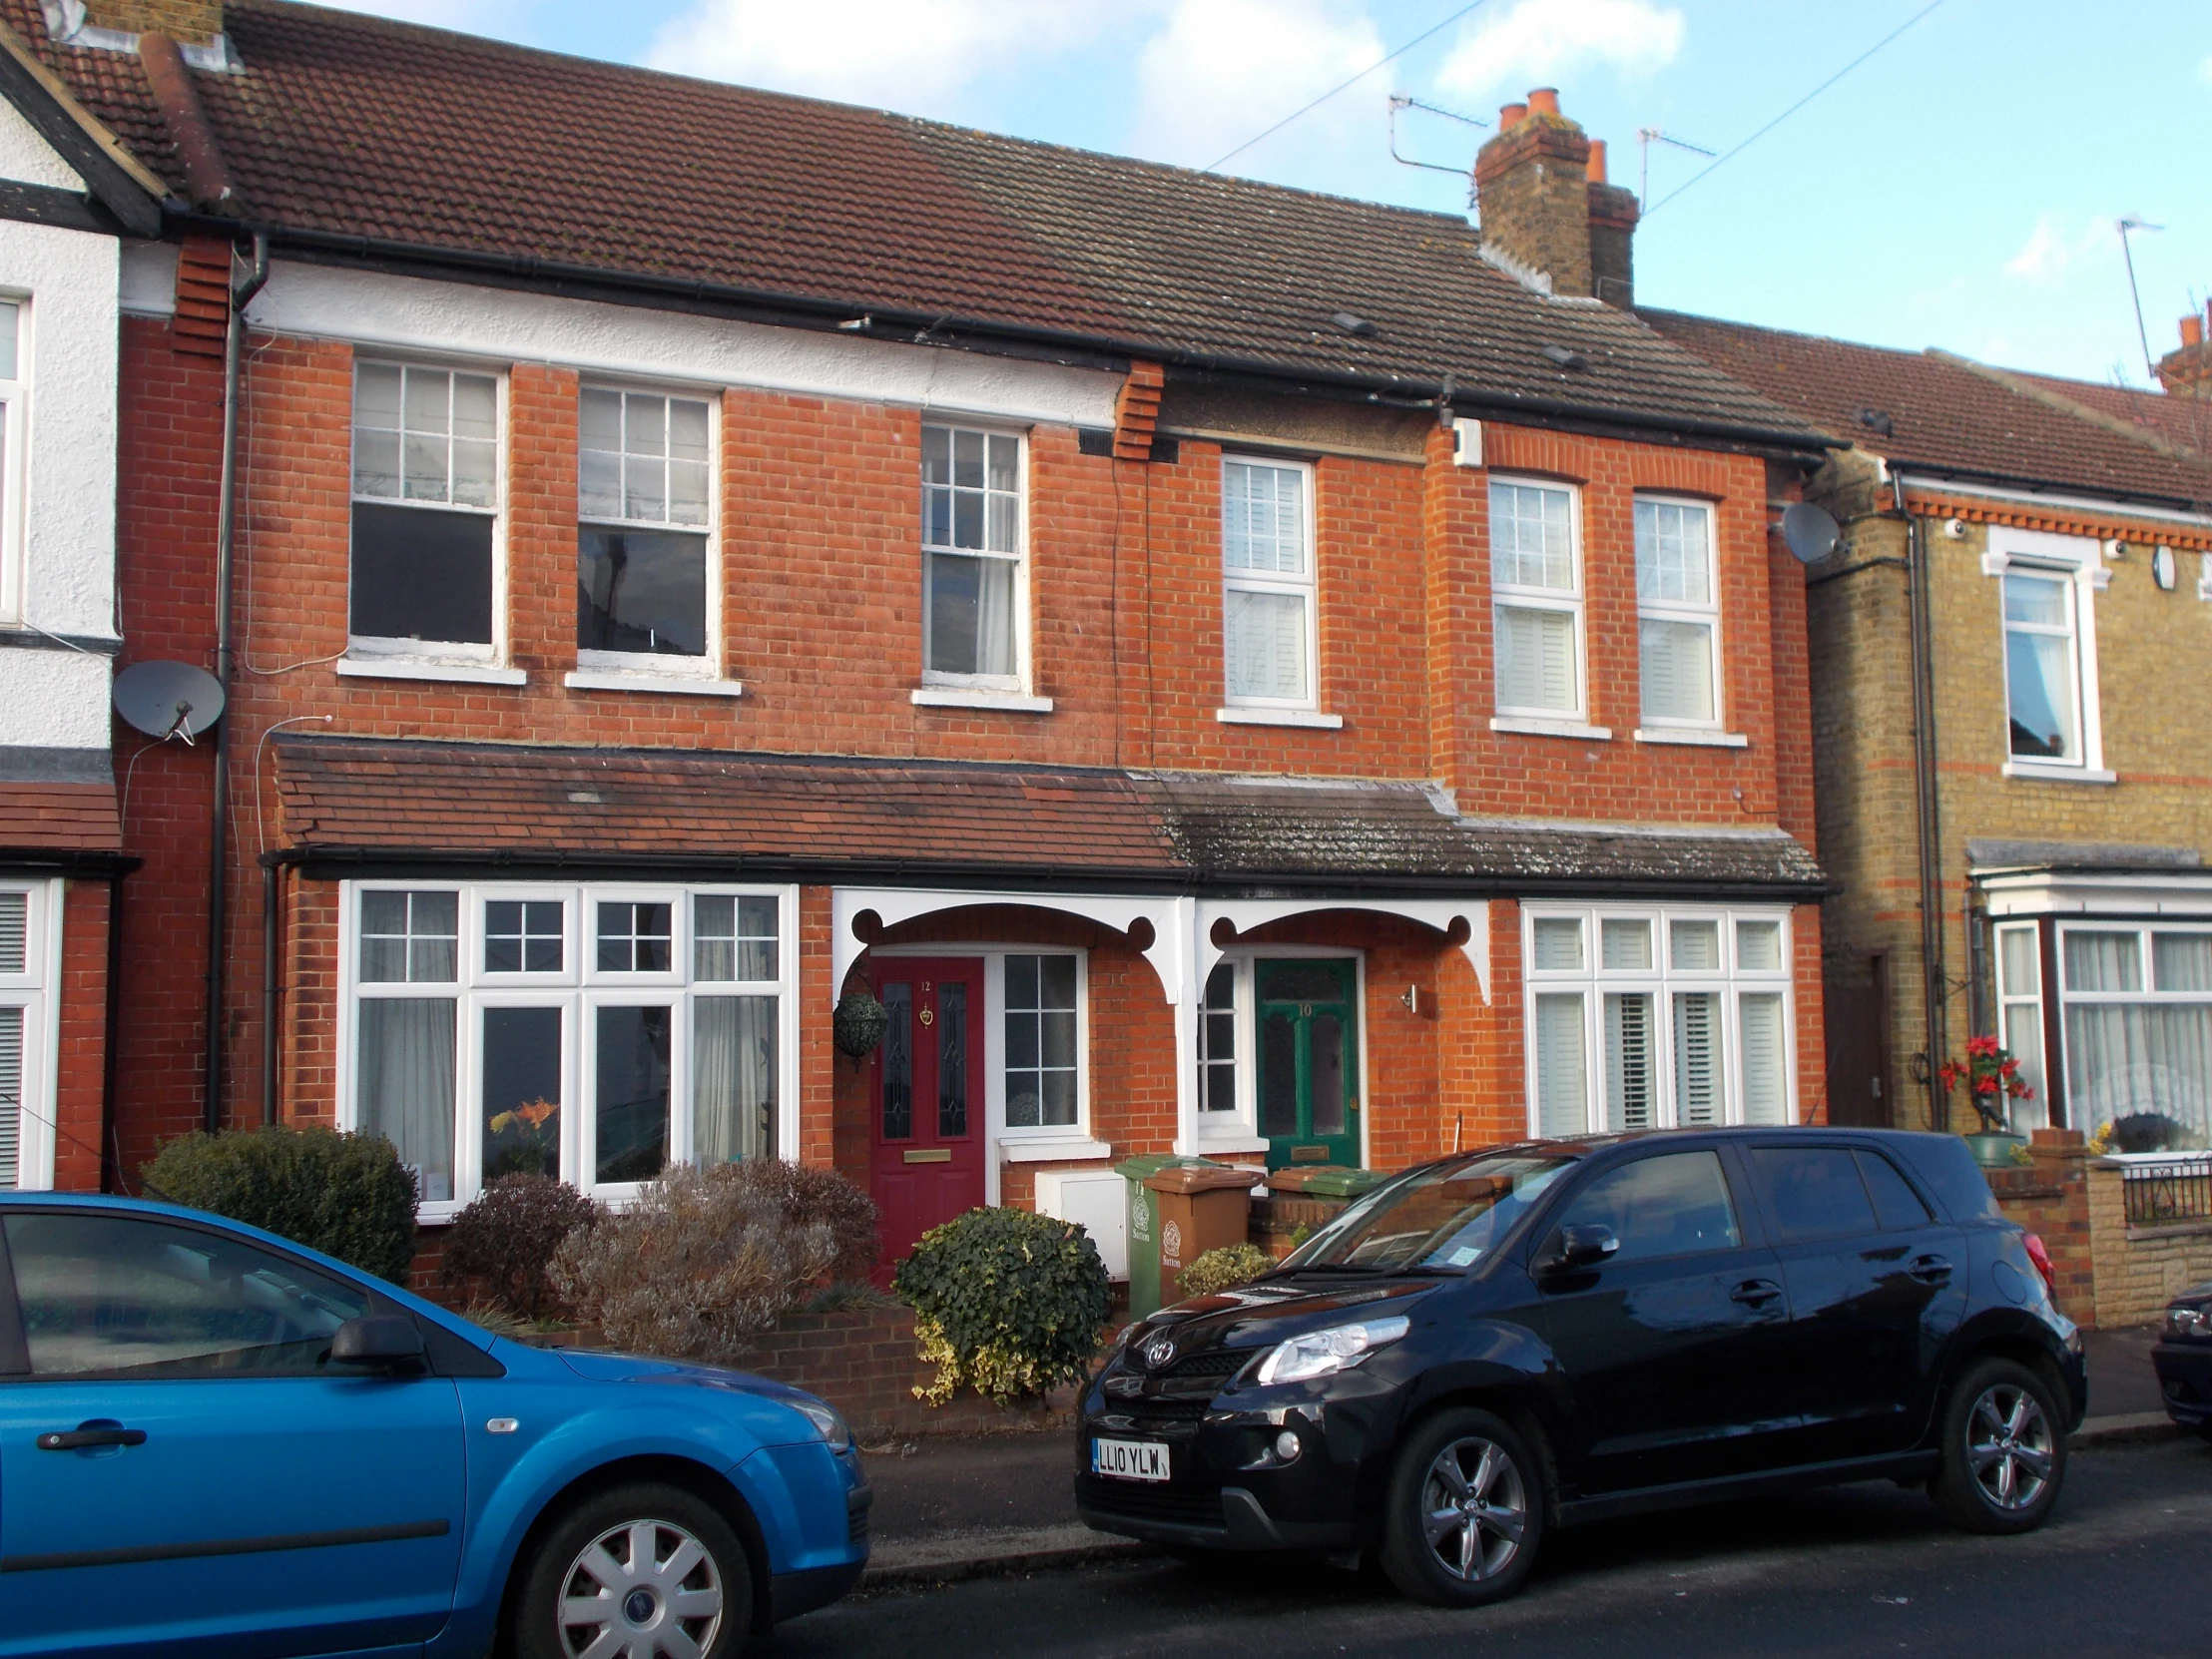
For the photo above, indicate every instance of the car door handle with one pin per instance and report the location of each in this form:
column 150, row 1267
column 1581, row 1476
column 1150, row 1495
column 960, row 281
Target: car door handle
column 1929, row 1269
column 1755, row 1293
column 90, row 1435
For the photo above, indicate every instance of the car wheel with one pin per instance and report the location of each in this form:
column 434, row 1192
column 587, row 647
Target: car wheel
column 2004, row 1455
column 637, row 1572
column 1466, row 1511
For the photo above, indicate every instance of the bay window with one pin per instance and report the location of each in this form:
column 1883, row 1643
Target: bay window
column 644, row 502
column 1645, row 1019
column 2020, row 1017
column 1269, row 623
column 1677, row 612
column 425, row 510
column 1536, row 590
column 2137, row 1027
column 597, row 1034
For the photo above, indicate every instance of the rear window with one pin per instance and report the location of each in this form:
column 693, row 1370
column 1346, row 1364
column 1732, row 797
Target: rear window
column 1814, row 1192
column 1946, row 1167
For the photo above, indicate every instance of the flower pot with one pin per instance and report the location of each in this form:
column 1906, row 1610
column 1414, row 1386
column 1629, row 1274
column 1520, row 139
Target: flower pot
column 1996, row 1151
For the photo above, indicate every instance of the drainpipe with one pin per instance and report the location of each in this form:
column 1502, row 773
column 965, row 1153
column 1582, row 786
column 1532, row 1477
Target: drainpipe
column 111, row 1154
column 270, row 882
column 1933, row 976
column 242, row 294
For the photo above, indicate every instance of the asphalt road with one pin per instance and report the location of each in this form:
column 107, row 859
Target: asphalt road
column 1861, row 1570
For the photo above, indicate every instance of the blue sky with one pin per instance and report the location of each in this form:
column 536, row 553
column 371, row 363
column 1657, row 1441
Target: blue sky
column 1958, row 189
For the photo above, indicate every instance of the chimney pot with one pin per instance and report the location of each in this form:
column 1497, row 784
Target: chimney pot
column 1511, row 115
column 1544, row 100
column 1597, row 161
column 2192, row 329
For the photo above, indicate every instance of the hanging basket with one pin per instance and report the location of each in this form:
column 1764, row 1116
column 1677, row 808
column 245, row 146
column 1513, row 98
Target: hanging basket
column 859, row 1025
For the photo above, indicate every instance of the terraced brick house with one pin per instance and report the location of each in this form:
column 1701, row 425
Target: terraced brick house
column 2014, row 789
column 1228, row 670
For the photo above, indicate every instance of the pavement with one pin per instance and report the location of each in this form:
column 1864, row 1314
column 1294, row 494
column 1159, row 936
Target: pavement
column 956, row 1507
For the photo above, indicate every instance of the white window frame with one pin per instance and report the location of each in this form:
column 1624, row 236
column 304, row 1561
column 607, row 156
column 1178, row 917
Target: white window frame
column 15, row 409
column 1237, row 1132
column 1017, row 684
column 1305, row 588
column 2066, row 995
column 2080, row 558
column 1518, row 596
column 37, row 991
column 1707, row 616
column 369, row 648
column 709, row 665
column 2012, row 1000
column 1662, row 981
column 579, row 988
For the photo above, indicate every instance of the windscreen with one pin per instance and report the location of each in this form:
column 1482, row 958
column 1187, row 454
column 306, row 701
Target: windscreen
column 1443, row 1219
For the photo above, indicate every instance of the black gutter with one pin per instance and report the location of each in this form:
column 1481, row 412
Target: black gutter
column 54, row 862
column 1920, row 475
column 925, row 325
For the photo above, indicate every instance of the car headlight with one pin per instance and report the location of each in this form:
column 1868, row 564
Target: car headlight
column 2190, row 1323
column 1324, row 1353
column 827, row 1420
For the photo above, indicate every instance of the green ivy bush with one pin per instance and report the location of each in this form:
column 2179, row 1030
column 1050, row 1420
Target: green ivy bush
column 1006, row 1301
column 506, row 1237
column 1225, row 1268
column 346, row 1195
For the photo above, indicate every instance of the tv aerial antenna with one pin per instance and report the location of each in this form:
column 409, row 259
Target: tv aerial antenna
column 167, row 699
column 1646, row 137
column 1401, row 100
column 2125, row 223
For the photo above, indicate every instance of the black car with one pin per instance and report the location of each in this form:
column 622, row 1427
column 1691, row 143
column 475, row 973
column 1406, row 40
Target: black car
column 2184, row 1359
column 1527, row 1337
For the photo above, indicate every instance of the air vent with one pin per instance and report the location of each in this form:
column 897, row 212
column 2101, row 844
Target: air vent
column 1876, row 420
column 1572, row 362
column 1353, row 323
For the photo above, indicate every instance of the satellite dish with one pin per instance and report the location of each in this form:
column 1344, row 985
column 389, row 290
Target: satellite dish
column 1811, row 533
column 167, row 700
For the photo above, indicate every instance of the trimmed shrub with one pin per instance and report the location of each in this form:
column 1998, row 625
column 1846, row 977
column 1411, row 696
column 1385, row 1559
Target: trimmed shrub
column 1006, row 1301
column 705, row 1260
column 346, row 1195
column 506, row 1237
column 1226, row 1268
column 822, row 1197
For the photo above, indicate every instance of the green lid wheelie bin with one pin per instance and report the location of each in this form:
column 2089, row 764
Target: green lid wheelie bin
column 1143, row 1230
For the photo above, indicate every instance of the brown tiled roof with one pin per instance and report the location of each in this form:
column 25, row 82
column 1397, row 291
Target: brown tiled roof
column 397, row 801
column 352, row 126
column 2185, row 422
column 1943, row 416
column 57, row 817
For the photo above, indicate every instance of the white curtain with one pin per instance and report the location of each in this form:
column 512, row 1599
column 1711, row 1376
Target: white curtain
column 733, row 1078
column 2124, row 1060
column 405, row 1084
column 2103, row 961
column 994, row 646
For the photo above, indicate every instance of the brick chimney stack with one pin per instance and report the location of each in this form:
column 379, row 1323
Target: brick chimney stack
column 1544, row 203
column 187, row 22
column 2187, row 372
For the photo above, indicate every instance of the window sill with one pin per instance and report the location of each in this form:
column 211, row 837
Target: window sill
column 1691, row 735
column 1057, row 1149
column 962, row 696
column 674, row 685
column 2044, row 773
column 429, row 668
column 1280, row 717
column 1230, row 1145
column 1530, row 727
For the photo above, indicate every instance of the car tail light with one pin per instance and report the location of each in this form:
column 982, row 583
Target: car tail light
column 2041, row 1258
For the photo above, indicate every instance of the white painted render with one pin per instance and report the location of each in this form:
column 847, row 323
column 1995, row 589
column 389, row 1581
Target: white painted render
column 150, row 278
column 29, row 159
column 54, row 699
column 411, row 313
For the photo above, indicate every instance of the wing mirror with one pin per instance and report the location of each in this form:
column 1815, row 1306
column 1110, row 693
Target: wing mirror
column 378, row 1342
column 1581, row 1245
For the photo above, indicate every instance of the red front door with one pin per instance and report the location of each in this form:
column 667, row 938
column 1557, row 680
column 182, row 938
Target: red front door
column 925, row 1151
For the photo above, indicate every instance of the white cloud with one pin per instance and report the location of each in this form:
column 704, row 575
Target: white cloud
column 910, row 54
column 1536, row 42
column 1221, row 71
column 2052, row 248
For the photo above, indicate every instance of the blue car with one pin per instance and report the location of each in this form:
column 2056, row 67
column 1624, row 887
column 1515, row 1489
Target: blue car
column 216, row 1443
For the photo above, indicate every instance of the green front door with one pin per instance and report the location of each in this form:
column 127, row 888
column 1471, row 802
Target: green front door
column 1309, row 1062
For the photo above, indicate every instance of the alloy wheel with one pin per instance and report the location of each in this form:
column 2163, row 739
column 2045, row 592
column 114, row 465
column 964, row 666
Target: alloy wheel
column 2010, row 1446
column 1475, row 1508
column 642, row 1590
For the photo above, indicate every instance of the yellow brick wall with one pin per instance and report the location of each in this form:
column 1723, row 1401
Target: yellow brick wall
column 2139, row 1268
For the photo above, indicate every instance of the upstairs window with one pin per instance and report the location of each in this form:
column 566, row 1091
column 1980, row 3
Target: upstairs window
column 1677, row 612
column 644, row 509
column 1536, row 589
column 1268, row 627
column 2042, row 680
column 971, row 578
column 12, row 528
column 425, row 506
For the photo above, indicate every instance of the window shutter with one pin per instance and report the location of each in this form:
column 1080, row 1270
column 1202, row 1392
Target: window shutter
column 1535, row 659
column 15, row 915
column 1628, row 1058
column 1677, row 670
column 1562, row 1085
column 1766, row 1088
column 11, row 1094
column 1697, row 1057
